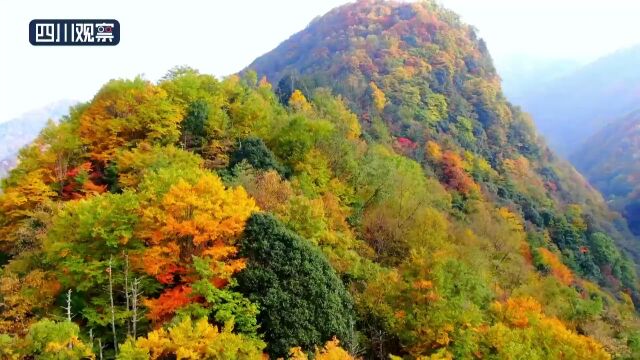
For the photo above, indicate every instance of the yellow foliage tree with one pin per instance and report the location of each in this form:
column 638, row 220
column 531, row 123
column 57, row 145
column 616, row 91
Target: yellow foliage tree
column 299, row 102
column 22, row 297
column 331, row 351
column 575, row 214
column 378, row 97
column 201, row 219
column 433, row 151
column 515, row 223
column 521, row 325
column 188, row 340
column 19, row 203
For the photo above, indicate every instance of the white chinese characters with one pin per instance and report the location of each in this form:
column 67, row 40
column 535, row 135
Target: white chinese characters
column 105, row 32
column 45, row 33
column 82, row 33
column 70, row 32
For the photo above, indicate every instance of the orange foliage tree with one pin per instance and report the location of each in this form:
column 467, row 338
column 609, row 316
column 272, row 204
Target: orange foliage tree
column 124, row 113
column 559, row 270
column 455, row 176
column 202, row 219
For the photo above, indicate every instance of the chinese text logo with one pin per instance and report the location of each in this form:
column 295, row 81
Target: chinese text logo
column 74, row 32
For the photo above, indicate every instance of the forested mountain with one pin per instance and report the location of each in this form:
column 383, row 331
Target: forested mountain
column 381, row 200
column 439, row 87
column 572, row 108
column 610, row 160
column 20, row 131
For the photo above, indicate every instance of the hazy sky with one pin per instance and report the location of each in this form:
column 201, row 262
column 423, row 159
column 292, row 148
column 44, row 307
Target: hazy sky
column 221, row 37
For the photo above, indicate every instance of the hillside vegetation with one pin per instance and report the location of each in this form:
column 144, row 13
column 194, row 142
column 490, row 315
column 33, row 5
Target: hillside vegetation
column 609, row 160
column 383, row 199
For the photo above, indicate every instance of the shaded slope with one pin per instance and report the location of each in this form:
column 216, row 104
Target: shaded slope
column 610, row 159
column 572, row 108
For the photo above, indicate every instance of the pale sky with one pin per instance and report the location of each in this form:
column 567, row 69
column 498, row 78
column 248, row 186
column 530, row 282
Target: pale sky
column 222, row 37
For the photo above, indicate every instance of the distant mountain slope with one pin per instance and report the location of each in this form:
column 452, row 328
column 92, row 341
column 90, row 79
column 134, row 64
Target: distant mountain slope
column 611, row 161
column 6, row 165
column 521, row 74
column 20, row 131
column 573, row 107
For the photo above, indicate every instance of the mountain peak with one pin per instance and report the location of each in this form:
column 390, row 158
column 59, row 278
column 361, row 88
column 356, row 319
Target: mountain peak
column 409, row 32
column 441, row 92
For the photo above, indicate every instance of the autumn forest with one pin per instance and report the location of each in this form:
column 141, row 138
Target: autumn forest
column 363, row 191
